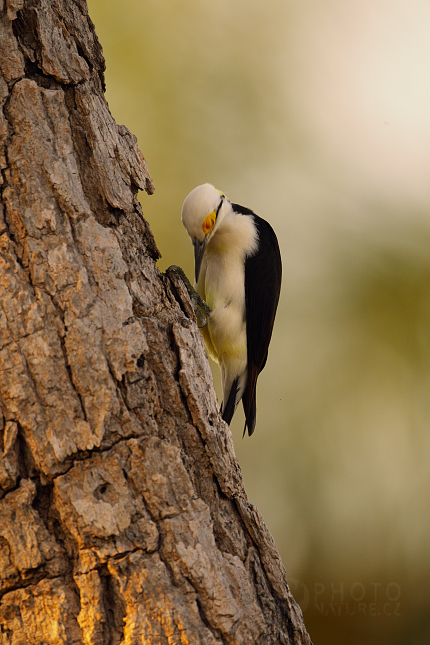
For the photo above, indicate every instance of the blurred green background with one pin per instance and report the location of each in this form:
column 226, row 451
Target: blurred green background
column 317, row 116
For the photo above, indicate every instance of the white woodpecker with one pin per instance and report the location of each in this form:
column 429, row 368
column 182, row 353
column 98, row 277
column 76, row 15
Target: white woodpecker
column 238, row 273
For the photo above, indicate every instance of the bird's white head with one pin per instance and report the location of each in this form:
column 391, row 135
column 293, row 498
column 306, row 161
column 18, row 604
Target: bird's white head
column 201, row 210
column 202, row 213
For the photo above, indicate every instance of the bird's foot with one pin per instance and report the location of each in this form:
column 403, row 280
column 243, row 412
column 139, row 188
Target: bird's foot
column 201, row 308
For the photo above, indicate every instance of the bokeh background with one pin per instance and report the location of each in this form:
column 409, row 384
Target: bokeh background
column 317, row 116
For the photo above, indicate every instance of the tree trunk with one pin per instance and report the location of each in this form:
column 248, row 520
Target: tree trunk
column 123, row 517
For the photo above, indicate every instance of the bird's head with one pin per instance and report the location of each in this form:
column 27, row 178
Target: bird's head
column 202, row 214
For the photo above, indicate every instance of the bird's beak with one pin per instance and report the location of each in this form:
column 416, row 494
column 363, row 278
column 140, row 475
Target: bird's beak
column 199, row 249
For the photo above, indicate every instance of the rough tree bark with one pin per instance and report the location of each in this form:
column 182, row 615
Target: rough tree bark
column 123, row 518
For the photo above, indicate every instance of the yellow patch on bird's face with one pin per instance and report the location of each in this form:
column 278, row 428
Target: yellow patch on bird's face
column 209, row 223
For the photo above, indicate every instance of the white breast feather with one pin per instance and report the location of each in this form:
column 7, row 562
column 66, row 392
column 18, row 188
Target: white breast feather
column 222, row 285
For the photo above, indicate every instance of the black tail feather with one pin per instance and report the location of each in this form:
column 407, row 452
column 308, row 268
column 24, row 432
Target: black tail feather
column 249, row 399
column 250, row 409
column 230, row 405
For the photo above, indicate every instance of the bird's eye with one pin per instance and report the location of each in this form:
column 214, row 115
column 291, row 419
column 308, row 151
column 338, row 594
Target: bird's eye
column 209, row 223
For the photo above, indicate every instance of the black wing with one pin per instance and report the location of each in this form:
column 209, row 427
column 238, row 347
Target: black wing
column 263, row 274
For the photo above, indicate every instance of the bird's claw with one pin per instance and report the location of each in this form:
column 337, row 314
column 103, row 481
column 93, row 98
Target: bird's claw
column 201, row 308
